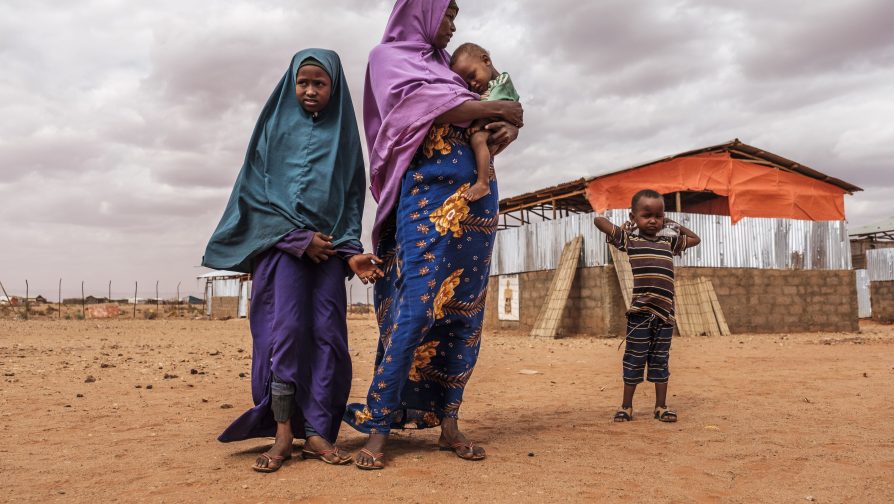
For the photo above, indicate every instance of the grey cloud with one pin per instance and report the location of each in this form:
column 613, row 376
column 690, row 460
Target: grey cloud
column 124, row 124
column 819, row 37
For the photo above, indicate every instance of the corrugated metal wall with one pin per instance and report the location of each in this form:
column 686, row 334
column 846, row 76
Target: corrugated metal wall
column 880, row 263
column 864, row 301
column 752, row 243
column 226, row 287
column 537, row 247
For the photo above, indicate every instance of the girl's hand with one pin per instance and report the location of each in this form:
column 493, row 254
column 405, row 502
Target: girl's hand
column 628, row 226
column 320, row 248
column 511, row 112
column 501, row 135
column 366, row 267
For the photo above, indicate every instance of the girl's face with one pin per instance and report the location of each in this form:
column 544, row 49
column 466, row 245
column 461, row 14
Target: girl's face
column 313, row 86
column 445, row 31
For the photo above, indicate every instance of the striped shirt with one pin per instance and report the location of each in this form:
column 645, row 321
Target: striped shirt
column 652, row 262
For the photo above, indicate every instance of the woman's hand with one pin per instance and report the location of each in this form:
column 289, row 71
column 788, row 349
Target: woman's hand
column 501, row 135
column 366, row 267
column 511, row 112
column 320, row 248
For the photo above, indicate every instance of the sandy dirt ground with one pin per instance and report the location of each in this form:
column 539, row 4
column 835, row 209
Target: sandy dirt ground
column 763, row 418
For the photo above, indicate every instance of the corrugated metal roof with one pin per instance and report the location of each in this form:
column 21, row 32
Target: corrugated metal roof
column 575, row 190
column 222, row 274
column 884, row 227
column 572, row 195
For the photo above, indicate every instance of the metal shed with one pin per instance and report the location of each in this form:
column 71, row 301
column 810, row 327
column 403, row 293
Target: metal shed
column 229, row 290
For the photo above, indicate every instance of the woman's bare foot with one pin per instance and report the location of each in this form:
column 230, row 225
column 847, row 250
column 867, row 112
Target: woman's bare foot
column 317, row 447
column 371, row 454
column 281, row 450
column 453, row 439
column 476, row 192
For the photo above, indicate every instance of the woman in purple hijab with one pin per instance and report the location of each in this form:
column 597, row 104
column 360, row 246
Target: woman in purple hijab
column 435, row 245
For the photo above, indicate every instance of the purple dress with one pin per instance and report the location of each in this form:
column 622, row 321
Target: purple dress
column 300, row 334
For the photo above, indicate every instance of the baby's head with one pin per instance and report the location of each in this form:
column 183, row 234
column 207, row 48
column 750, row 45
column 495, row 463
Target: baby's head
column 647, row 212
column 472, row 62
column 313, row 86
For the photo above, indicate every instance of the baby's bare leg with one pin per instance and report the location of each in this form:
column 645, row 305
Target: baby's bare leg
column 481, row 188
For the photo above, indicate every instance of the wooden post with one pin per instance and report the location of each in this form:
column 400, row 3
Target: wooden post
column 27, row 293
column 178, row 299
column 83, row 303
column 679, row 202
column 135, row 285
column 7, row 295
column 110, row 291
column 157, row 301
column 60, row 299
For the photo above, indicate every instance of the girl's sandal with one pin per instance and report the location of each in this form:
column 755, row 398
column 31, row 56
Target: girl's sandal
column 377, row 463
column 665, row 415
column 465, row 451
column 624, row 415
column 274, row 463
column 340, row 458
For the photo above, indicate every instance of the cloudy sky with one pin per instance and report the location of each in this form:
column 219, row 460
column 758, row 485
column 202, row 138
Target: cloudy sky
column 124, row 123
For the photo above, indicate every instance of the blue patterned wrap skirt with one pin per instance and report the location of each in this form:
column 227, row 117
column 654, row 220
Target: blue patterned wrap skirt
column 430, row 304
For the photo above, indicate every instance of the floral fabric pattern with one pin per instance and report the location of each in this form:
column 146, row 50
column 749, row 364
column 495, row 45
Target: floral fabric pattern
column 430, row 305
column 449, row 216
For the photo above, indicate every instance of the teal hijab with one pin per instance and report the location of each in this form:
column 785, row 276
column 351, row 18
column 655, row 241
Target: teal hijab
column 300, row 172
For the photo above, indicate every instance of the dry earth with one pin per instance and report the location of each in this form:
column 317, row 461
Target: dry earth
column 763, row 418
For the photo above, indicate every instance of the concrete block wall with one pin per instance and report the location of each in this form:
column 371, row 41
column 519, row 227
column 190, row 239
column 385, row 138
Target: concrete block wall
column 882, row 294
column 779, row 301
column 753, row 300
column 224, row 307
column 595, row 307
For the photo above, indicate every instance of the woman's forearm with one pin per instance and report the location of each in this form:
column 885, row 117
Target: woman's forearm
column 468, row 111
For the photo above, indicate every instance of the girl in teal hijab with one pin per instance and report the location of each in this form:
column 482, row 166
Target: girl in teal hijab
column 293, row 221
column 300, row 172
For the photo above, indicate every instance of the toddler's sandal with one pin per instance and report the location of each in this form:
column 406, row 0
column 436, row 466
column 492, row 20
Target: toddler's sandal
column 624, row 415
column 665, row 415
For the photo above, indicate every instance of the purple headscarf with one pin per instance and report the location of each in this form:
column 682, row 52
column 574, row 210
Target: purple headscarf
column 408, row 84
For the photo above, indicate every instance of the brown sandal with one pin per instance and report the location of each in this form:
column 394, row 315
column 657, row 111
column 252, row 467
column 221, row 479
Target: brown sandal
column 465, row 451
column 376, row 458
column 665, row 415
column 279, row 460
column 624, row 415
column 341, row 458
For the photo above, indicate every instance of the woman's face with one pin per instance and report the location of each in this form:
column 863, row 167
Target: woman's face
column 313, row 86
column 445, row 31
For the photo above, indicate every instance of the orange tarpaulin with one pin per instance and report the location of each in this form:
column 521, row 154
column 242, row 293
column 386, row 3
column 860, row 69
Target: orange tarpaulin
column 753, row 190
